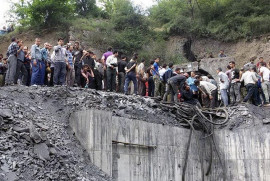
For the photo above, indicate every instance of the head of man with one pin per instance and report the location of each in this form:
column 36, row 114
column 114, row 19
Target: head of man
column 90, row 53
column 157, row 59
column 164, row 66
column 198, row 77
column 262, row 64
column 76, row 45
column 14, row 39
column 37, row 41
column 171, row 65
column 25, row 50
column 124, row 58
column 109, row 49
column 60, row 41
column 261, row 59
column 197, row 82
column 221, row 52
column 228, row 67
column 20, row 43
column 115, row 53
column 46, row 45
column 143, row 61
column 135, row 56
column 192, row 74
column 219, row 70
column 186, row 75
column 178, row 70
column 50, row 47
column 232, row 64
column 187, row 88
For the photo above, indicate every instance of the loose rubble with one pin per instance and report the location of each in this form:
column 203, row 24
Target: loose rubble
column 36, row 142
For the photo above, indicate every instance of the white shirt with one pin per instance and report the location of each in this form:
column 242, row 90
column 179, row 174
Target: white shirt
column 223, row 80
column 161, row 72
column 111, row 60
column 205, row 78
column 265, row 73
column 249, row 78
column 208, row 87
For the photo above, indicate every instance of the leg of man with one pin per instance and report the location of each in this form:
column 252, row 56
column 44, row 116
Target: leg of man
column 68, row 77
column 109, row 79
column 237, row 90
column 127, row 81
column 157, row 82
column 213, row 100
column 265, row 91
column 63, row 73
column 18, row 71
column 35, row 74
column 232, row 93
column 113, row 80
column 268, row 88
column 11, row 72
column 24, row 75
column 42, row 73
column 250, row 92
column 224, row 97
column 135, row 83
column 174, row 92
column 52, row 75
column 57, row 69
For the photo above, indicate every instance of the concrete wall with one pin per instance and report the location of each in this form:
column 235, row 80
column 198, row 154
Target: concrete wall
column 246, row 152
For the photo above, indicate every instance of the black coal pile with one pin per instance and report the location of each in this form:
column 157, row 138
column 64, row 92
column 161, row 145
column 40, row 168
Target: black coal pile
column 36, row 142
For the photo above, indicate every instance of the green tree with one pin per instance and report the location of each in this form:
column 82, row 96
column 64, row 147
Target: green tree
column 44, row 13
column 86, row 7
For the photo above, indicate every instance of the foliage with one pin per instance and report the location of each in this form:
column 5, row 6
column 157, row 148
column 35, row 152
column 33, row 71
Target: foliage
column 86, row 8
column 226, row 20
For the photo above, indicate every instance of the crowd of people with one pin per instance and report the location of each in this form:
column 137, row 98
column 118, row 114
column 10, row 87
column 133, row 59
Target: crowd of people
column 70, row 65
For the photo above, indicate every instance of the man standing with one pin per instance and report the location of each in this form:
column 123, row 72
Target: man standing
column 3, row 69
column 260, row 61
column 235, row 94
column 70, row 71
column 221, row 54
column 122, row 73
column 27, row 64
column 141, row 78
column 104, row 60
column 12, row 52
column 60, row 66
column 131, row 74
column 77, row 55
column 111, row 63
column 223, row 86
column 250, row 80
column 21, row 70
column 265, row 74
column 43, row 63
column 156, row 77
column 36, row 63
column 175, row 83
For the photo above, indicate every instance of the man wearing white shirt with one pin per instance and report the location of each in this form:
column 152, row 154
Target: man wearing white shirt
column 250, row 79
column 223, row 86
column 265, row 73
column 111, row 63
column 208, row 90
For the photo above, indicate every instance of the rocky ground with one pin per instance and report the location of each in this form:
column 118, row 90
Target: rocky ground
column 36, row 142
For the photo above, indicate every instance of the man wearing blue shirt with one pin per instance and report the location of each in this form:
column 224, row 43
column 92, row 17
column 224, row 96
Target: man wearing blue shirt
column 156, row 77
column 21, row 70
column 36, row 63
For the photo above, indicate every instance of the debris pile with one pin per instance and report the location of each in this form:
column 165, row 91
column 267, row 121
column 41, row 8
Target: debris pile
column 36, row 142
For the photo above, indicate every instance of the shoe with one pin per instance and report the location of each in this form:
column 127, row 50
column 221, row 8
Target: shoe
column 108, row 90
column 266, row 105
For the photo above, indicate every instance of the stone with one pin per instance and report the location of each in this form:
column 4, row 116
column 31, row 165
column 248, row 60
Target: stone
column 42, row 126
column 42, row 151
column 34, row 134
column 20, row 129
column 5, row 113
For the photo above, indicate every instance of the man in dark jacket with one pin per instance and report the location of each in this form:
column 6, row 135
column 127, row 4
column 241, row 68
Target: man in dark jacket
column 174, row 83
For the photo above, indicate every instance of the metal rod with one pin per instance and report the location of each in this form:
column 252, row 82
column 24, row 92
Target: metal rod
column 132, row 144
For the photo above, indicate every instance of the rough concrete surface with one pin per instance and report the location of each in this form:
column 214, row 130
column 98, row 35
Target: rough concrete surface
column 35, row 122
